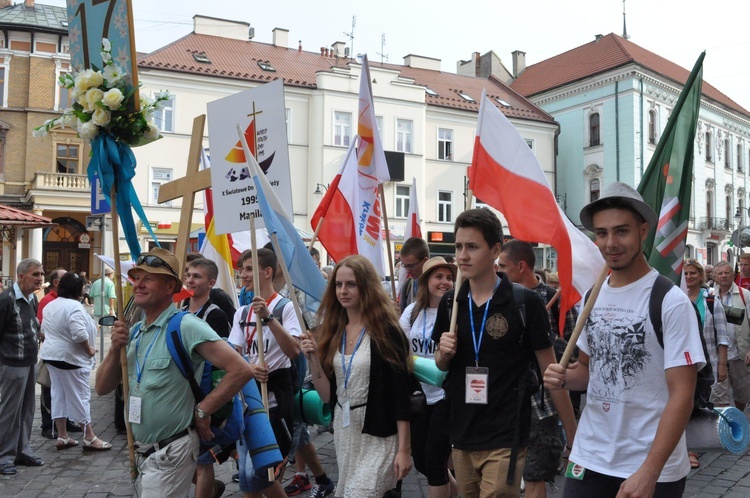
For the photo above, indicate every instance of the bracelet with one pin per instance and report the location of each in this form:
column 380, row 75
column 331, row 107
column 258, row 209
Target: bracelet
column 568, row 448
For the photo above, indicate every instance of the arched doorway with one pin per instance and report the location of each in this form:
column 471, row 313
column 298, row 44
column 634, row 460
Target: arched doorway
column 62, row 246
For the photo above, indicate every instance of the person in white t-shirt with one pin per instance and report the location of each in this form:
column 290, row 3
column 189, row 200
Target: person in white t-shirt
column 280, row 347
column 631, row 436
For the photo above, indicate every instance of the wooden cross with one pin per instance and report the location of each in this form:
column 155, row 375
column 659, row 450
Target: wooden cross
column 195, row 180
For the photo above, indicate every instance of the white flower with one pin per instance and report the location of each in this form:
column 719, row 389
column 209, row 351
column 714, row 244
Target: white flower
column 39, row 132
column 100, row 117
column 87, row 131
column 69, row 119
column 113, row 98
column 106, row 57
column 74, row 94
column 84, row 103
column 113, row 74
column 106, row 45
column 87, row 79
column 94, row 96
column 152, row 133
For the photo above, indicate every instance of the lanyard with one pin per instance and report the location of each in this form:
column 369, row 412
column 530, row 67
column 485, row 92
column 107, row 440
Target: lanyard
column 139, row 367
column 478, row 342
column 348, row 372
column 424, row 326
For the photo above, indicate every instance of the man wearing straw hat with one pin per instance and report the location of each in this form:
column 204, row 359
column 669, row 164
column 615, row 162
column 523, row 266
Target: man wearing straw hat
column 165, row 419
column 630, row 438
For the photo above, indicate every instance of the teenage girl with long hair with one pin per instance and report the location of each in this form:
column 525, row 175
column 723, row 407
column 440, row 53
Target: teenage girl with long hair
column 361, row 362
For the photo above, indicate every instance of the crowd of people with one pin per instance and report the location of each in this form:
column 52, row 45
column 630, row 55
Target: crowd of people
column 507, row 416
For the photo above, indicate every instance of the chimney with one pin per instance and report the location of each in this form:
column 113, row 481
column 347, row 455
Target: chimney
column 477, row 59
column 5, row 3
column 322, row 50
column 281, row 37
column 299, row 48
column 519, row 62
column 596, row 37
column 29, row 4
column 337, row 49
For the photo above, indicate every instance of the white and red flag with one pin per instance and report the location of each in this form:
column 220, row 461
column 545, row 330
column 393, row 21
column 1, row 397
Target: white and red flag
column 505, row 174
column 413, row 221
column 350, row 210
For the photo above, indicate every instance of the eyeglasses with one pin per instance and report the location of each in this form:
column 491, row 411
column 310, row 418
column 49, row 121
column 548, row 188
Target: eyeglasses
column 154, row 262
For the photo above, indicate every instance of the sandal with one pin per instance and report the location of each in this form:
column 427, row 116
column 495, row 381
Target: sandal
column 63, row 443
column 694, row 462
column 8, row 469
column 89, row 445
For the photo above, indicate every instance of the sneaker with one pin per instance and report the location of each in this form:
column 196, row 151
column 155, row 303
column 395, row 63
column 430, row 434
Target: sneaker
column 236, row 477
column 299, row 484
column 322, row 490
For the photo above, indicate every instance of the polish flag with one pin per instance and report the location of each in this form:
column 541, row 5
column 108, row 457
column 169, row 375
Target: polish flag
column 413, row 222
column 350, row 210
column 505, row 174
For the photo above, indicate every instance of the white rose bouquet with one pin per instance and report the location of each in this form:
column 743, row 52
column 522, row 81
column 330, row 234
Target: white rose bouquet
column 103, row 103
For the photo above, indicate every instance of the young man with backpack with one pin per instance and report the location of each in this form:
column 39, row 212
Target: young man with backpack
column 166, row 420
column 281, row 346
column 517, row 261
column 491, row 359
column 640, row 389
column 200, row 278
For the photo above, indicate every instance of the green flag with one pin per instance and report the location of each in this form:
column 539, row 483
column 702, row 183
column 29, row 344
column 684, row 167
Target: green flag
column 666, row 183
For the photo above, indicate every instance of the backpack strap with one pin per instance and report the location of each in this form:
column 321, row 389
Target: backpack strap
column 278, row 310
column 661, row 287
column 179, row 355
column 519, row 300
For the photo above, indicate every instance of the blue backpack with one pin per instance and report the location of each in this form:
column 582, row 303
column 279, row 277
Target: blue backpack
column 227, row 421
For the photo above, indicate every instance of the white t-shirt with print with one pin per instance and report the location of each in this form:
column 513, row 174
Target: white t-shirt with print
column 421, row 343
column 627, row 390
column 274, row 356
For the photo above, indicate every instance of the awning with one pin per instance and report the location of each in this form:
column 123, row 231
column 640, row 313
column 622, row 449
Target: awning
column 12, row 218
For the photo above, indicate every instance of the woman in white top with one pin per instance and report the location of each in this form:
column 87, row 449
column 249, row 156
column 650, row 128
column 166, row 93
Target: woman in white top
column 430, row 444
column 68, row 351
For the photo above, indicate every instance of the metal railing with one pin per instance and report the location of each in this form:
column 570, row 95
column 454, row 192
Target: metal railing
column 711, row 223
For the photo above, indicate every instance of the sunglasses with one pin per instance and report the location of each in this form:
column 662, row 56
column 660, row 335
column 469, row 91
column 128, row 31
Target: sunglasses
column 154, row 262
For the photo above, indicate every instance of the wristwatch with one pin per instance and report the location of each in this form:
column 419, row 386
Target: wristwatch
column 200, row 413
column 271, row 317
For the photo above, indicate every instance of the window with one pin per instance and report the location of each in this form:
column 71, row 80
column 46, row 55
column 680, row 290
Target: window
column 159, row 176
column 445, row 144
column 594, row 130
column 66, row 158
column 379, row 125
column 63, row 96
column 728, row 209
column 594, row 190
column 709, row 152
column 164, row 117
column 652, row 126
column 404, row 135
column 709, row 204
column 2, row 85
column 739, row 158
column 530, row 143
column 267, row 66
column 430, row 92
column 403, row 193
column 342, row 128
column 445, row 207
column 288, row 120
column 727, row 156
column 466, row 97
column 201, row 57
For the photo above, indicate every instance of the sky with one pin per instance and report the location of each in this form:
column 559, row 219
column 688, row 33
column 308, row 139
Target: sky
column 450, row 31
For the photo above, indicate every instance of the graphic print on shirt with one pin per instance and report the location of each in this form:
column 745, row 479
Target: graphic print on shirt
column 617, row 342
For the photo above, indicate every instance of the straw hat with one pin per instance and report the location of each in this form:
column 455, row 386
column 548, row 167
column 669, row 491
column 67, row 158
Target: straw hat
column 618, row 194
column 162, row 262
column 437, row 262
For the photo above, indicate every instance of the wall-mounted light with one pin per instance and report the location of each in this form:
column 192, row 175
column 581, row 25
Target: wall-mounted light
column 317, row 188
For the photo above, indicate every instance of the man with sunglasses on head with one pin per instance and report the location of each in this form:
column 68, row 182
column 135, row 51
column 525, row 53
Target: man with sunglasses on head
column 414, row 254
column 166, row 421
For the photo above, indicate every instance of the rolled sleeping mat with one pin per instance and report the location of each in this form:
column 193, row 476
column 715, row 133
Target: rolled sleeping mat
column 310, row 409
column 427, row 371
column 258, row 435
column 720, row 429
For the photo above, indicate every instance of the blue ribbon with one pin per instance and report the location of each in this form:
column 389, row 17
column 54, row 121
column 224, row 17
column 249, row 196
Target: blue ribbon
column 113, row 161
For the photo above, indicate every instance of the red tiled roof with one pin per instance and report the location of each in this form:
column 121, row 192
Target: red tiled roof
column 13, row 216
column 602, row 55
column 238, row 59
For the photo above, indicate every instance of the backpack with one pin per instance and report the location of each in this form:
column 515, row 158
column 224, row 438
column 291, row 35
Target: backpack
column 705, row 376
column 227, row 421
column 299, row 364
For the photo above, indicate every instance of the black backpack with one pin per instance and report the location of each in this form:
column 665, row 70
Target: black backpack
column 705, row 376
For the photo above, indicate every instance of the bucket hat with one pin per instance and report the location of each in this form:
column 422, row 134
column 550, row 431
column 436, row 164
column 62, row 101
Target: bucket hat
column 158, row 261
column 621, row 195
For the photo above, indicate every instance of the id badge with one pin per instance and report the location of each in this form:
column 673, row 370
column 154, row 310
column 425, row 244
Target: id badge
column 345, row 413
column 134, row 412
column 477, row 379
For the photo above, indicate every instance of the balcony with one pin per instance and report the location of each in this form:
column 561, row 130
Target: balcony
column 715, row 224
column 61, row 181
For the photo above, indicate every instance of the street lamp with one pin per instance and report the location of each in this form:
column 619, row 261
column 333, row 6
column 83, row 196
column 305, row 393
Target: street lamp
column 738, row 218
column 317, row 188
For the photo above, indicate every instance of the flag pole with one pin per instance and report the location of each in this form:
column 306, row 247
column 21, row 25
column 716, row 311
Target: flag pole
column 584, row 316
column 315, row 235
column 554, row 299
column 459, row 277
column 120, row 314
column 387, row 238
column 258, row 322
